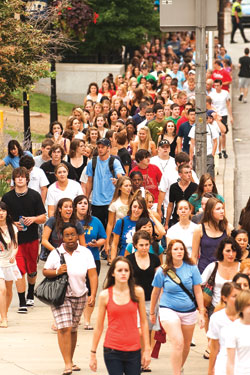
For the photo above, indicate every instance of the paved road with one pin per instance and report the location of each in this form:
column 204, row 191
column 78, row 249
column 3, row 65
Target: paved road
column 241, row 134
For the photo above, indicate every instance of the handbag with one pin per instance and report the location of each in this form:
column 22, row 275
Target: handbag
column 207, row 289
column 52, row 291
column 176, row 279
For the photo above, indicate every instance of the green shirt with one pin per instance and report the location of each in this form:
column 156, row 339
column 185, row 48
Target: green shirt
column 148, row 76
column 155, row 129
column 173, row 119
column 236, row 7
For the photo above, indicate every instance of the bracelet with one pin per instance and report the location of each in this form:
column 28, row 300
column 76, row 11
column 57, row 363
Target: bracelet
column 57, row 271
column 92, row 351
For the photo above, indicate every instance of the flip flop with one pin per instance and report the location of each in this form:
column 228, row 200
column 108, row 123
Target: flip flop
column 67, row 372
column 87, row 327
column 206, row 354
column 75, row 368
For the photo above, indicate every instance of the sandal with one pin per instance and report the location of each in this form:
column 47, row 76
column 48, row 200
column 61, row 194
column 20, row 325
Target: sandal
column 88, row 327
column 147, row 369
column 75, row 368
column 4, row 324
column 206, row 354
column 67, row 372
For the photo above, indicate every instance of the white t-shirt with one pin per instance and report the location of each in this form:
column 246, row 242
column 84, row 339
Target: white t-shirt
column 219, row 100
column 120, row 209
column 79, row 135
column 218, row 326
column 238, row 337
column 185, row 235
column 211, row 135
column 78, row 265
column 72, row 190
column 219, row 282
column 39, row 161
column 165, row 166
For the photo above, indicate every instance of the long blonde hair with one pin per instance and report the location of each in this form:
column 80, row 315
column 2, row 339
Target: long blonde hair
column 118, row 186
column 148, row 138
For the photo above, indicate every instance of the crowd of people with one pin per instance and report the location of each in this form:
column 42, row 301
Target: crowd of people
column 117, row 181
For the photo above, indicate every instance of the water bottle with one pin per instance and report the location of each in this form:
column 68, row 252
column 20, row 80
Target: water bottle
column 24, row 227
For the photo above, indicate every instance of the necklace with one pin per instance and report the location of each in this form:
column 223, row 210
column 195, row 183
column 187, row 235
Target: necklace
column 21, row 194
column 163, row 167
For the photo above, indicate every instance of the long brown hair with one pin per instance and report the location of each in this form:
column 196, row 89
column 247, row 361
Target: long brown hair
column 118, row 186
column 200, row 190
column 142, row 203
column 209, row 218
column 245, row 217
column 169, row 259
column 110, row 280
column 59, row 220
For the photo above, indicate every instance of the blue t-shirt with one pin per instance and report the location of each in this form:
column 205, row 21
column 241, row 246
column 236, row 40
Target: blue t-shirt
column 103, row 187
column 94, row 231
column 183, row 132
column 130, row 248
column 173, row 297
column 127, row 233
column 181, row 78
column 14, row 162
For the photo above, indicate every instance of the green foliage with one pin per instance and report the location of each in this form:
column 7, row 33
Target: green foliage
column 121, row 23
column 25, row 50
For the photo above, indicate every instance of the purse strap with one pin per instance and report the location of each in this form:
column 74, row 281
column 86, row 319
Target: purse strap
column 211, row 279
column 62, row 259
column 179, row 282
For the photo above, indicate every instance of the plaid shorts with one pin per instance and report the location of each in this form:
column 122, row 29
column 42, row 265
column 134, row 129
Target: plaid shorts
column 70, row 312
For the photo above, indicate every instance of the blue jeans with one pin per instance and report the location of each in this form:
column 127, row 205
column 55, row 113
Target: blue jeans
column 119, row 362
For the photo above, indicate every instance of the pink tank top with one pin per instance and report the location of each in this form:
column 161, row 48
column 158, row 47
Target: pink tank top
column 122, row 333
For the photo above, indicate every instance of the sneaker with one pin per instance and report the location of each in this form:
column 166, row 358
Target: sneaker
column 244, row 100
column 246, row 41
column 30, row 302
column 220, row 155
column 22, row 310
column 225, row 155
column 233, row 41
column 103, row 254
column 240, row 97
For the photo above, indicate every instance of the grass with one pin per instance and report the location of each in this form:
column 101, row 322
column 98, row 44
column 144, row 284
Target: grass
column 37, row 138
column 41, row 103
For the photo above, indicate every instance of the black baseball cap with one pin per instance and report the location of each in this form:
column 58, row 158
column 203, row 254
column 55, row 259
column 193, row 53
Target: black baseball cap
column 164, row 142
column 104, row 142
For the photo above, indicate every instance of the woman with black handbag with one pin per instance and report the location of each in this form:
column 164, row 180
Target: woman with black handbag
column 180, row 280
column 79, row 262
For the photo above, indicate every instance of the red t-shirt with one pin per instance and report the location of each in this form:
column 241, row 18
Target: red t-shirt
column 223, row 75
column 151, row 179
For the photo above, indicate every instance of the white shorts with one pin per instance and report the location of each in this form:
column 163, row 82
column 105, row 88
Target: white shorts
column 152, row 327
column 244, row 82
column 186, row 319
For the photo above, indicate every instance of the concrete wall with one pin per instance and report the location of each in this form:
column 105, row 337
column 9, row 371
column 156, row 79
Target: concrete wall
column 72, row 80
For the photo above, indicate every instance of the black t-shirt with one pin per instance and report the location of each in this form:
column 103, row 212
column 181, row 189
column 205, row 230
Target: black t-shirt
column 244, row 67
column 144, row 278
column 49, row 170
column 176, row 194
column 28, row 205
column 125, row 157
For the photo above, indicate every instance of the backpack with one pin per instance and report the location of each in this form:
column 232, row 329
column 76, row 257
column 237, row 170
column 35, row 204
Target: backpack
column 111, row 165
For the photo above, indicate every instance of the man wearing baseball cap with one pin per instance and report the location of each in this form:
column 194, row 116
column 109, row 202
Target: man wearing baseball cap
column 102, row 172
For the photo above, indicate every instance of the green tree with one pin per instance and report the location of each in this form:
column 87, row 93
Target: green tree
column 26, row 48
column 120, row 23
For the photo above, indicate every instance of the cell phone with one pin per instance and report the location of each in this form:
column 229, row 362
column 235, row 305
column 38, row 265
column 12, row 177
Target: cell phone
column 93, row 241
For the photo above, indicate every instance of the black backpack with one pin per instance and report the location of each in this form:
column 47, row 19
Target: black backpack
column 111, row 165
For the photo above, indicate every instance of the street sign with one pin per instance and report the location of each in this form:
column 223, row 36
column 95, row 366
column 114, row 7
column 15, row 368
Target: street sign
column 179, row 15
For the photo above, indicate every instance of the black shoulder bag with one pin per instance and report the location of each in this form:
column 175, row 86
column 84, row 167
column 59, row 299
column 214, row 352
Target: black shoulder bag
column 175, row 278
column 52, row 291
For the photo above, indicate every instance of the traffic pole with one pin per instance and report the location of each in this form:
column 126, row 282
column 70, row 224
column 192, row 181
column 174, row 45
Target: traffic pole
column 26, row 122
column 200, row 89
column 1, row 121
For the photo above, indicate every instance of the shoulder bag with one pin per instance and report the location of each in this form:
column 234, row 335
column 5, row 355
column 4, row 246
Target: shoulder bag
column 176, row 279
column 52, row 291
column 207, row 289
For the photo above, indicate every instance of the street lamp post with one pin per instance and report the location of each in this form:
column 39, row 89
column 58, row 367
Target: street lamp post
column 53, row 99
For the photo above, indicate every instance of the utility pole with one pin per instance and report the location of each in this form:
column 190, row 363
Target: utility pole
column 53, row 100
column 26, row 121
column 200, row 90
column 221, row 22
